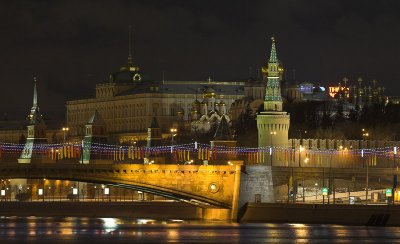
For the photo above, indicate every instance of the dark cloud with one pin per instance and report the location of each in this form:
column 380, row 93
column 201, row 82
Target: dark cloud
column 72, row 45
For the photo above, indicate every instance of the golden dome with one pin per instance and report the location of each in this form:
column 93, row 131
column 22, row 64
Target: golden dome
column 209, row 93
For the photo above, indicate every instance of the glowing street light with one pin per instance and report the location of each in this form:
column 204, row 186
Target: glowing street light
column 365, row 134
column 300, row 150
column 272, row 133
column 65, row 130
column 394, row 174
column 173, row 133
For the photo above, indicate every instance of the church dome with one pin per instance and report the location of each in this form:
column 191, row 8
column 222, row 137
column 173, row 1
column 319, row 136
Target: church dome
column 196, row 102
column 127, row 73
column 209, row 93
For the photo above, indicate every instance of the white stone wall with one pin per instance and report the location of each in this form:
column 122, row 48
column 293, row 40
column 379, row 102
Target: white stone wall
column 256, row 179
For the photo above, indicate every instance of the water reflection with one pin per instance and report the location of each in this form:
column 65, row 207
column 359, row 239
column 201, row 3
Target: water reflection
column 174, row 230
column 110, row 224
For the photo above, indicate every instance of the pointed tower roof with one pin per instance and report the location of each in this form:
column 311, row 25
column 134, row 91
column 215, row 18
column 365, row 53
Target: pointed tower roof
column 34, row 92
column 35, row 117
column 130, row 66
column 273, row 57
column 96, row 119
column 154, row 123
column 222, row 132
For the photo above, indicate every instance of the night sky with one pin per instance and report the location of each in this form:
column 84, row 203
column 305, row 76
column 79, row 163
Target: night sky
column 72, row 45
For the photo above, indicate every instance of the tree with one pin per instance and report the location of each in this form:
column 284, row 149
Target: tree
column 326, row 120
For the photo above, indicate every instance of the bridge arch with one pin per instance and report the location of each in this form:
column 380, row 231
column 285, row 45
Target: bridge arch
column 204, row 186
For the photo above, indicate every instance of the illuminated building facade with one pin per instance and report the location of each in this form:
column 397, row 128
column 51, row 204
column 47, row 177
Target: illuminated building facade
column 358, row 94
column 128, row 103
column 273, row 123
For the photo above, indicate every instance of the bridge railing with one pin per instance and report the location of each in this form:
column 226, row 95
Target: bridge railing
column 384, row 157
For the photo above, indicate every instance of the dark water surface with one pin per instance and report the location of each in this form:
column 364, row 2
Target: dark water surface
column 111, row 230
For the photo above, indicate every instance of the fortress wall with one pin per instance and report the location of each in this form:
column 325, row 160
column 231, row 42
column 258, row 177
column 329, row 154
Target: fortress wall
column 335, row 144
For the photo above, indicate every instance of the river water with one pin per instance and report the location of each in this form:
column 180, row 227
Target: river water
column 110, row 230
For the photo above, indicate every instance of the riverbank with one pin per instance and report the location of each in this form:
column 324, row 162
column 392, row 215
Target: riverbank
column 376, row 215
column 156, row 210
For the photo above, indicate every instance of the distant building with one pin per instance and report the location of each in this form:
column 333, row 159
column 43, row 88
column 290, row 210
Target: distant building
column 128, row 102
column 358, row 94
column 305, row 91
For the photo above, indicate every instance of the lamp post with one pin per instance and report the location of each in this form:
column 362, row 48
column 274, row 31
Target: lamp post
column 173, row 133
column 300, row 149
column 301, row 145
column 394, row 174
column 272, row 133
column 65, row 130
column 365, row 134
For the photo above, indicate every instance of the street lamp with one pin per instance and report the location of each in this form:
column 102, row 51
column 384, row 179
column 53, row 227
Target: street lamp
column 65, row 130
column 365, row 134
column 272, row 133
column 300, row 149
column 301, row 145
column 394, row 174
column 173, row 133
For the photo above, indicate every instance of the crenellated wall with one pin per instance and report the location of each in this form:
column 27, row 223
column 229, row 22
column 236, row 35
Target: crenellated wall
column 335, row 144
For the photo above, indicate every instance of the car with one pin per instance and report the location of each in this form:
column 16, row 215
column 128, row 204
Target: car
column 338, row 200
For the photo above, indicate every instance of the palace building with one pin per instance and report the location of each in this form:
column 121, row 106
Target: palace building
column 127, row 103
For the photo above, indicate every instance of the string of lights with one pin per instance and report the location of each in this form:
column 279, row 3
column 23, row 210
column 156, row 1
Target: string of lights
column 193, row 147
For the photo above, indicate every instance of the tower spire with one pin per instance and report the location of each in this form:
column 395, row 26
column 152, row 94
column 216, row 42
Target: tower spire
column 273, row 97
column 273, row 57
column 130, row 66
column 34, row 92
column 130, row 59
column 35, row 117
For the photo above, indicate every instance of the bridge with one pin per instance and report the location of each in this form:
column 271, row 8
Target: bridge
column 212, row 185
column 210, row 178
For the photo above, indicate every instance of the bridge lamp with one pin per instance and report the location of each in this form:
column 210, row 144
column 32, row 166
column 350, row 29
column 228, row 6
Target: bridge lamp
column 106, row 191
column 300, row 150
column 173, row 133
column 272, row 133
column 306, row 160
column 65, row 130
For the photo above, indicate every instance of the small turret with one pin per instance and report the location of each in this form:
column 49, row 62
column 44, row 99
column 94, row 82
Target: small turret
column 203, row 107
column 36, row 132
column 222, row 108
